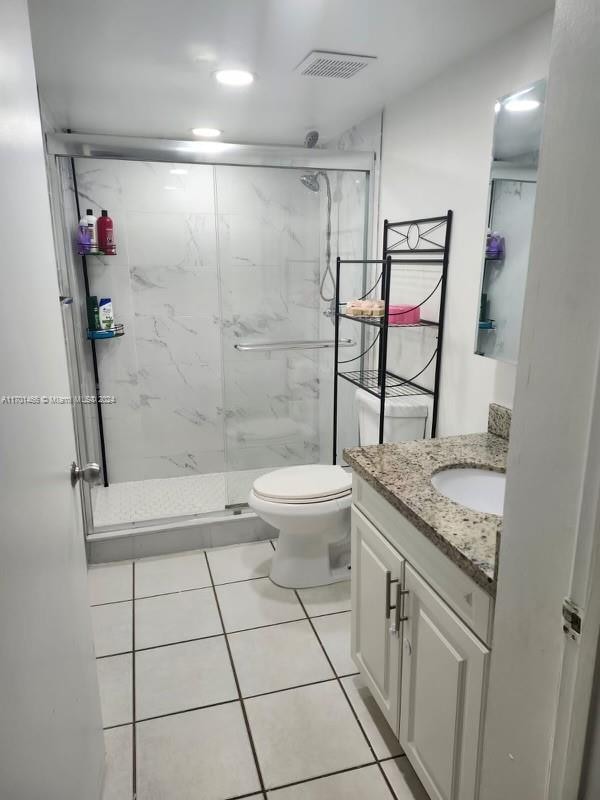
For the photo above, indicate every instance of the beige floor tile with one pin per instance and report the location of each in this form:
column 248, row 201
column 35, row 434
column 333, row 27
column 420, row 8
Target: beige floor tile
column 358, row 784
column 278, row 657
column 198, row 755
column 241, row 562
column 306, row 732
column 113, row 628
column 254, row 603
column 174, row 618
column 183, row 676
column 326, row 599
column 334, row 633
column 382, row 737
column 118, row 777
column 172, row 573
column 115, row 679
column 110, row 583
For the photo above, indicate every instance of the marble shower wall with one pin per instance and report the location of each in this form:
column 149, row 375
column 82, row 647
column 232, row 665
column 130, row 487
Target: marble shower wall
column 226, row 255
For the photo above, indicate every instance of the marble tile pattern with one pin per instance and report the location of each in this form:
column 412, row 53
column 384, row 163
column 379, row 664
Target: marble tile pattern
column 402, row 472
column 206, row 260
column 499, row 419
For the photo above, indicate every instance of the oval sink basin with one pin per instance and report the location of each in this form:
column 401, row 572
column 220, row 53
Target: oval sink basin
column 478, row 489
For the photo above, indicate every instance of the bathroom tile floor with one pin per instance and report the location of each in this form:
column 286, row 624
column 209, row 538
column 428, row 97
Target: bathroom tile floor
column 217, row 684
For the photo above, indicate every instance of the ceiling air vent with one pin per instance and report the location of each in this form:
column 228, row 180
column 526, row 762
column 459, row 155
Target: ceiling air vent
column 327, row 64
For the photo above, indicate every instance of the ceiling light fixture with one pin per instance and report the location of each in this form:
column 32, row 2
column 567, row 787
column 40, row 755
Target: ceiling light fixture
column 497, row 107
column 207, row 133
column 234, row 77
column 521, row 105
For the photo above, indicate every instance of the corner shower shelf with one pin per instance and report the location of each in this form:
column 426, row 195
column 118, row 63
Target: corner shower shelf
column 395, row 385
column 96, row 253
column 379, row 322
column 110, row 333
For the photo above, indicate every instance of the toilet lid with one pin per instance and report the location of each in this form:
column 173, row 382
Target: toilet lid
column 303, row 484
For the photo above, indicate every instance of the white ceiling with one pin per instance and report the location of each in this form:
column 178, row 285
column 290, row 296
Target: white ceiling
column 143, row 67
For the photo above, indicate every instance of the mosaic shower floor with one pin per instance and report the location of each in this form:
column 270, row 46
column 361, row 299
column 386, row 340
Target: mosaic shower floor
column 165, row 498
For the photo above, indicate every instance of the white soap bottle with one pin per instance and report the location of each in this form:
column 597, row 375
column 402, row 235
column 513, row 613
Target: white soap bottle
column 92, row 223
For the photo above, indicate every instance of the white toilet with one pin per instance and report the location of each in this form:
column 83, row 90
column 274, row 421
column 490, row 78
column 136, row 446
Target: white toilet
column 310, row 505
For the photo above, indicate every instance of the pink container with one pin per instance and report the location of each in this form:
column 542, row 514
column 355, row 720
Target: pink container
column 404, row 315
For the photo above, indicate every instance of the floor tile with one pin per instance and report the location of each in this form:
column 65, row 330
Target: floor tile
column 200, row 754
column 241, row 562
column 306, row 732
column 118, row 777
column 381, row 736
column 113, row 628
column 115, row 680
column 176, row 618
column 334, row 633
column 183, row 676
column 278, row 657
column 358, row 784
column 172, row 573
column 254, row 603
column 110, row 583
column 326, row 599
column 404, row 779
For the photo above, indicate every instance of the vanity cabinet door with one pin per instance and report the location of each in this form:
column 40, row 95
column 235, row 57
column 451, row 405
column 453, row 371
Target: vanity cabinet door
column 444, row 674
column 377, row 575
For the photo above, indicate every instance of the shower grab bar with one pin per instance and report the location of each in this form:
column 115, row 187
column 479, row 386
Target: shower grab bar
column 293, row 344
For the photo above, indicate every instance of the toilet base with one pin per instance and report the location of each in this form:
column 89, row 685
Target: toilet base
column 303, row 561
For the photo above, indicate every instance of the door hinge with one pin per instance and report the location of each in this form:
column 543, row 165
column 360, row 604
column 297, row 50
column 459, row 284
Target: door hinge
column 572, row 617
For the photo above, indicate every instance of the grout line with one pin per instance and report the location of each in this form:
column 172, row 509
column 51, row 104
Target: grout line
column 325, row 775
column 239, row 691
column 133, row 729
column 188, row 710
column 352, row 709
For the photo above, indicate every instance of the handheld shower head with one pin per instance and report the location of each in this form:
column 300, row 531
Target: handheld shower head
column 311, row 138
column 311, row 181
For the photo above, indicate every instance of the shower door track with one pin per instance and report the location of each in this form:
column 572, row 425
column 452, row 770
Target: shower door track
column 134, row 148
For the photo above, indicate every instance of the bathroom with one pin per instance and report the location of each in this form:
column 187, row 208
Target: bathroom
column 299, row 476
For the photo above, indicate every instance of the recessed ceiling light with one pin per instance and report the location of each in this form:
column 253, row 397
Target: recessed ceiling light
column 234, row 77
column 497, row 107
column 206, row 133
column 522, row 105
column 178, row 171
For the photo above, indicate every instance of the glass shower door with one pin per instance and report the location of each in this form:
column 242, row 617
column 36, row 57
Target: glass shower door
column 272, row 241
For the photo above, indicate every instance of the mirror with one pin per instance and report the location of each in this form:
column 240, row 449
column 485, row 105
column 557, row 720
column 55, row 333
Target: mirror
column 511, row 200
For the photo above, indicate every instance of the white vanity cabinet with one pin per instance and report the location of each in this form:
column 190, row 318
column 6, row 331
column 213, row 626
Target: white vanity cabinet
column 420, row 635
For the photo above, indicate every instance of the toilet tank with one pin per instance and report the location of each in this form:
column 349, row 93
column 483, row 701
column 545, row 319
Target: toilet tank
column 405, row 417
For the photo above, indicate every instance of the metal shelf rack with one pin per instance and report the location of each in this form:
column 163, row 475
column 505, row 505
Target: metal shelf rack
column 413, row 243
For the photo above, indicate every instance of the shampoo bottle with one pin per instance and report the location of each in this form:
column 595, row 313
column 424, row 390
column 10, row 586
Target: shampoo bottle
column 106, row 239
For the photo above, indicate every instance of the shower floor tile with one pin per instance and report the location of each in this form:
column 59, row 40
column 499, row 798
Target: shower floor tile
column 166, row 498
column 259, row 713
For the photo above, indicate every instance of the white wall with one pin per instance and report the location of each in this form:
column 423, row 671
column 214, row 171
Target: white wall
column 437, row 147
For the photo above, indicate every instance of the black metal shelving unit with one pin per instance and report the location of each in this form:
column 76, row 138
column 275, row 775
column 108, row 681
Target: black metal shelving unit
column 424, row 242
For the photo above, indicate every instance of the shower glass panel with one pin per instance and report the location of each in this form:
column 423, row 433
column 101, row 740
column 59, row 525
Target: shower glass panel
column 275, row 289
column 211, row 262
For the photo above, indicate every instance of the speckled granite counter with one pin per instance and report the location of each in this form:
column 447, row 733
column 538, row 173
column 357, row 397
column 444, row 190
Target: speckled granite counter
column 402, row 472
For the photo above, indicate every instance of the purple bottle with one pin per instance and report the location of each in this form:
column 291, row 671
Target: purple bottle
column 84, row 239
column 494, row 247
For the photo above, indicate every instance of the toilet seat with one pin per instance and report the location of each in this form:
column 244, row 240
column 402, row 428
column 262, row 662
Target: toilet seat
column 313, row 483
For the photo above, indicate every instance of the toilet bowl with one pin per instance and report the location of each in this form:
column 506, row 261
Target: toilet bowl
column 310, row 506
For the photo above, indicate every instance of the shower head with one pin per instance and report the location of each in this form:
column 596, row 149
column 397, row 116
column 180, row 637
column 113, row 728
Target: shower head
column 311, row 181
column 311, row 138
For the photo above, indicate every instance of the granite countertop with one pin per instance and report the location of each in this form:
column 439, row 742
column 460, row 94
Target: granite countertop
column 402, row 472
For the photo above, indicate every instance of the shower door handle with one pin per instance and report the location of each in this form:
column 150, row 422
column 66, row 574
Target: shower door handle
column 90, row 473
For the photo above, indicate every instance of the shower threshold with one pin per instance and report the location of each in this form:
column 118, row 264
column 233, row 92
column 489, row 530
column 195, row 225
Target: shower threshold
column 134, row 503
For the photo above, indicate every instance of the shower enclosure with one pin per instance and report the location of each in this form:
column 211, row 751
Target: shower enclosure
column 221, row 282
